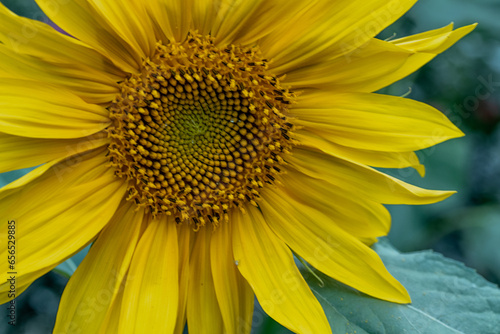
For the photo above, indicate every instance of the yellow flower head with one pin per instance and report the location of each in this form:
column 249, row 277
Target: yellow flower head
column 197, row 143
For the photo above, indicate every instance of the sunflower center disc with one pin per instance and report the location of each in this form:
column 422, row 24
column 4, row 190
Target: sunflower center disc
column 199, row 130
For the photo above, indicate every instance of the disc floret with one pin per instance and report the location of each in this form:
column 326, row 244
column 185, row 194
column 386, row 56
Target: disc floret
column 199, row 130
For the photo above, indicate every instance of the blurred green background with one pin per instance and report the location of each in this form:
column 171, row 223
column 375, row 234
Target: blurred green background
column 464, row 83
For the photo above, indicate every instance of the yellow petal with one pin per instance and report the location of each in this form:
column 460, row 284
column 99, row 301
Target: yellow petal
column 245, row 22
column 59, row 213
column 62, row 166
column 83, row 21
column 424, row 35
column 95, row 284
column 35, row 111
column 352, row 72
column 37, row 39
column 172, row 19
column 268, row 266
column 314, row 236
column 203, row 14
column 112, row 320
column 203, row 313
column 361, row 180
column 129, row 20
column 185, row 234
column 377, row 63
column 151, row 295
column 21, row 152
column 425, row 47
column 362, row 218
column 433, row 41
column 328, row 30
column 234, row 295
column 374, row 122
column 325, row 143
column 91, row 85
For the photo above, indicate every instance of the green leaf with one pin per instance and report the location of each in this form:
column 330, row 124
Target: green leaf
column 447, row 298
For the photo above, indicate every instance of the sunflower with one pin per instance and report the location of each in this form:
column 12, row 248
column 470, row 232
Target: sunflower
column 196, row 144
